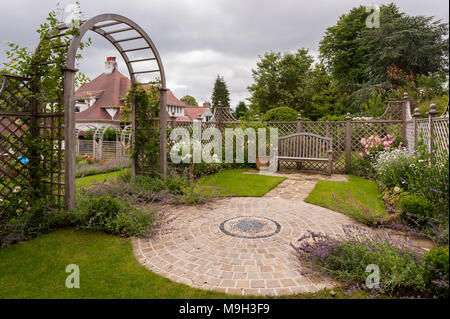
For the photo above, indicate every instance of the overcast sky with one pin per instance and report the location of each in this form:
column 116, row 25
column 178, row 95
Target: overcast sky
column 199, row 39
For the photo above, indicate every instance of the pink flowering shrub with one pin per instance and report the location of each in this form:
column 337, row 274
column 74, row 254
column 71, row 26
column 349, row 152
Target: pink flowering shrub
column 375, row 144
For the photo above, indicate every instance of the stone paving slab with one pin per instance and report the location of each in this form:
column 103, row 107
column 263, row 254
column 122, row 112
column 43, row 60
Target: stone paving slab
column 298, row 185
column 191, row 248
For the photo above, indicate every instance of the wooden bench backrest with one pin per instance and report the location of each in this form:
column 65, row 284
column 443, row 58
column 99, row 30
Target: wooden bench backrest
column 304, row 145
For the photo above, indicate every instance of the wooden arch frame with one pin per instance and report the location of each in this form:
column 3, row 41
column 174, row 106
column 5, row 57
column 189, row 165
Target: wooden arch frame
column 98, row 24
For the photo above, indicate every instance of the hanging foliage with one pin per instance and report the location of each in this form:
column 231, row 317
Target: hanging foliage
column 146, row 144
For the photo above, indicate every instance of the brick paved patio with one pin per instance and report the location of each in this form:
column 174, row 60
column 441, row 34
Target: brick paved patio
column 191, row 248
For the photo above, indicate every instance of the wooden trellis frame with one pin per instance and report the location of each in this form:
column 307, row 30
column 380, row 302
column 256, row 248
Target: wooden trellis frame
column 57, row 118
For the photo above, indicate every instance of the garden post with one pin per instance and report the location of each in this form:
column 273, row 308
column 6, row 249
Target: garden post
column 163, row 132
column 69, row 137
column 298, row 130
column 299, row 123
column 348, row 141
column 133, row 134
column 417, row 115
column 406, row 113
column 431, row 114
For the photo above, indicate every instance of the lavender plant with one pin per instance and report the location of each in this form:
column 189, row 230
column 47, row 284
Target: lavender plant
column 345, row 259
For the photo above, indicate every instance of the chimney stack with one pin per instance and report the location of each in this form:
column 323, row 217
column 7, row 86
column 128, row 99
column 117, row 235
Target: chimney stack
column 207, row 104
column 110, row 64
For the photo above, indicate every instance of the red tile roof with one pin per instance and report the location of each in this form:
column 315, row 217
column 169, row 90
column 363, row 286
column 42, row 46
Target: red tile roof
column 109, row 89
column 113, row 88
column 194, row 112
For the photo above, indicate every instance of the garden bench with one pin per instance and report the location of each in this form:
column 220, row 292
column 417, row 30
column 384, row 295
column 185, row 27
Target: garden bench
column 306, row 147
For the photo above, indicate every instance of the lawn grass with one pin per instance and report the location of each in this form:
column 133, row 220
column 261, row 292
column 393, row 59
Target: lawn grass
column 92, row 179
column 234, row 182
column 108, row 269
column 358, row 198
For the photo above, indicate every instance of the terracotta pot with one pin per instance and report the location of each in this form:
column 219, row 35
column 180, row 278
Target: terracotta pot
column 262, row 162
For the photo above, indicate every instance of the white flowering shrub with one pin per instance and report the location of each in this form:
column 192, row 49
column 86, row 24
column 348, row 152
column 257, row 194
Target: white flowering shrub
column 392, row 168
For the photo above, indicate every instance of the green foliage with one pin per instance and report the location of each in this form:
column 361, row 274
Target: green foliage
column 146, row 144
column 240, row 111
column 110, row 215
column 359, row 57
column 392, row 168
column 176, row 184
column 333, row 118
column 28, row 212
column 291, row 80
column 417, row 209
column 85, row 169
column 362, row 167
column 437, row 261
column 346, row 259
column 220, row 94
column 189, row 100
column 281, row 114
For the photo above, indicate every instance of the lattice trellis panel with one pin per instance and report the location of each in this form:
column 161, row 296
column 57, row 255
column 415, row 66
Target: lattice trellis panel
column 394, row 111
column 423, row 131
column 31, row 148
column 147, row 162
column 440, row 137
column 284, row 128
column 335, row 130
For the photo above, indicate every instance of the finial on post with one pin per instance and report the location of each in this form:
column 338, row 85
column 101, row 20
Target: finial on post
column 405, row 96
column 432, row 112
column 299, row 117
column 348, row 117
column 417, row 112
column 256, row 118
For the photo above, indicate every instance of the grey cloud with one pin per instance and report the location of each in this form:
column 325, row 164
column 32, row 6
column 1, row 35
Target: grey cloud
column 200, row 39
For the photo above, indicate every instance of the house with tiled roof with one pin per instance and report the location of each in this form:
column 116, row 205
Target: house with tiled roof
column 98, row 103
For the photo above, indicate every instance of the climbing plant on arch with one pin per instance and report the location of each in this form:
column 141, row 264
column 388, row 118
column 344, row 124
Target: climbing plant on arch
column 38, row 136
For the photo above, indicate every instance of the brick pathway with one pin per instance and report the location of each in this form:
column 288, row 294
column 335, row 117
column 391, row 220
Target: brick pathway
column 191, row 248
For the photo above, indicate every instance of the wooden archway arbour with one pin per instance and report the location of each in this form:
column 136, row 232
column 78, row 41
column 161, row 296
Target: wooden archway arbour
column 98, row 24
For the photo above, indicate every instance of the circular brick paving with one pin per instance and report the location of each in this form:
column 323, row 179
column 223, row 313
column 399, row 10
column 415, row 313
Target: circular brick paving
column 192, row 249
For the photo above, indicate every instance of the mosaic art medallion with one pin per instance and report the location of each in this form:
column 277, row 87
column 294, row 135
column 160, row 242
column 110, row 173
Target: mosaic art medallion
column 250, row 227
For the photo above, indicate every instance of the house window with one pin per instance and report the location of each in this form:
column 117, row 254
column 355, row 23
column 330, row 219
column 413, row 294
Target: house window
column 77, row 109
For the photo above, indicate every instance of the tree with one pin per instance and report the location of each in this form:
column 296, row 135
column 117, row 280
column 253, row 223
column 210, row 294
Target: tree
column 290, row 80
column 189, row 100
column 241, row 110
column 220, row 94
column 358, row 57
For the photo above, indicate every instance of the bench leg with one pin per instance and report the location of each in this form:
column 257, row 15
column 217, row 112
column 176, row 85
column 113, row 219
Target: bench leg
column 330, row 167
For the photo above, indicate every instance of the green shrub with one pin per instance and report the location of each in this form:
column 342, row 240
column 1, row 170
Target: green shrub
column 108, row 214
column 392, row 168
column 176, row 184
column 416, row 209
column 346, row 259
column 437, row 261
column 362, row 167
column 281, row 114
column 332, row 118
